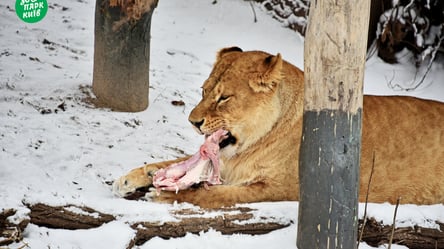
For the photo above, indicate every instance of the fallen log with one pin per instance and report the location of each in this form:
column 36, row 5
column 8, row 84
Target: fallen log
column 67, row 217
column 229, row 221
column 376, row 234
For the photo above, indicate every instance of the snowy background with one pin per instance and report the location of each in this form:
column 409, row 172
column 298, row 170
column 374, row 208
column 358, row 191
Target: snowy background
column 56, row 149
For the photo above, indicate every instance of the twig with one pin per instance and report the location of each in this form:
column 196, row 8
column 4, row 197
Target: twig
column 24, row 245
column 366, row 200
column 371, row 51
column 393, row 225
column 427, row 70
column 254, row 12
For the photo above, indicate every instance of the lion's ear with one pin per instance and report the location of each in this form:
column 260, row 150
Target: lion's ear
column 225, row 51
column 270, row 75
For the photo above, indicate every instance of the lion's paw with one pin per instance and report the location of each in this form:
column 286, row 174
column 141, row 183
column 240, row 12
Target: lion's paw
column 136, row 179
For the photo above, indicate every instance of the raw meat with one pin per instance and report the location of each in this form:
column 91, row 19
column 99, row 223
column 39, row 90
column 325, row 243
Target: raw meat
column 203, row 166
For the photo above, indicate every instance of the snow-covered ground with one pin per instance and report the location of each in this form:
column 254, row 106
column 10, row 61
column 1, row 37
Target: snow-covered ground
column 66, row 154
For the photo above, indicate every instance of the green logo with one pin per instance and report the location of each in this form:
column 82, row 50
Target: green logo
column 31, row 11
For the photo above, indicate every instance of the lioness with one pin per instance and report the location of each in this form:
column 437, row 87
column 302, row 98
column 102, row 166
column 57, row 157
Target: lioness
column 258, row 98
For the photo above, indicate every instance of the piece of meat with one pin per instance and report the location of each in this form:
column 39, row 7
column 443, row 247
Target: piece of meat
column 203, row 166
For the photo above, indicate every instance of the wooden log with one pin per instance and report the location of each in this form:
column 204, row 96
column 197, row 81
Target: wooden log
column 67, row 217
column 239, row 222
column 376, row 234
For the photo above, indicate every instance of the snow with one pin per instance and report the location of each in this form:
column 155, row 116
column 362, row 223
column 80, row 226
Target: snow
column 68, row 155
column 111, row 235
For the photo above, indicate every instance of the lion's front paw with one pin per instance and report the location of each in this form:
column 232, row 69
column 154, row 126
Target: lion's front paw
column 123, row 187
column 134, row 180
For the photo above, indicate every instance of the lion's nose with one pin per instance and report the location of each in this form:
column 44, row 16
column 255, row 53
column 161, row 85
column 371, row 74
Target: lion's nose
column 197, row 124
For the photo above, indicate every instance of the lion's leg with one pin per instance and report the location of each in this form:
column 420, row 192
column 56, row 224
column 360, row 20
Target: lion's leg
column 140, row 177
column 225, row 195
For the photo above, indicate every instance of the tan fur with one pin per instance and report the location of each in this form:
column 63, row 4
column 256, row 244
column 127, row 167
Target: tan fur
column 261, row 105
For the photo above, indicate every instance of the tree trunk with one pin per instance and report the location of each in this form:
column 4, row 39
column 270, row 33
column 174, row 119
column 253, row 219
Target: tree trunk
column 335, row 49
column 122, row 53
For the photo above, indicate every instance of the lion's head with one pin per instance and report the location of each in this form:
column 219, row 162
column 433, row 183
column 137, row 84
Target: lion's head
column 241, row 95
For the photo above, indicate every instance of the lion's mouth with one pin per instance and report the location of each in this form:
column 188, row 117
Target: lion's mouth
column 226, row 140
column 230, row 139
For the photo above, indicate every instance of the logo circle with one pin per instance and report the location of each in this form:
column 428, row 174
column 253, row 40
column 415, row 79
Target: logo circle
column 31, row 11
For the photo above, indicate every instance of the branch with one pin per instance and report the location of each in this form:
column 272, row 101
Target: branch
column 254, row 12
column 10, row 232
column 393, row 224
column 414, row 84
column 366, row 200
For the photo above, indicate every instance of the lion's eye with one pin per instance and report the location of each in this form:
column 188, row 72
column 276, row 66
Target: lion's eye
column 222, row 98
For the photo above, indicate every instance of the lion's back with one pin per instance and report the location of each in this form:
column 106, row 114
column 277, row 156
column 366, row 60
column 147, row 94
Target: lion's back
column 406, row 136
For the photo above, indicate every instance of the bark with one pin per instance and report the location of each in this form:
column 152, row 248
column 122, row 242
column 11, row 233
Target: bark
column 329, row 158
column 122, row 53
column 67, row 217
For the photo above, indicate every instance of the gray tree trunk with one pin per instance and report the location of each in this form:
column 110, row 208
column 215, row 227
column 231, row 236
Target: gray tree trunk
column 122, row 53
column 335, row 49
